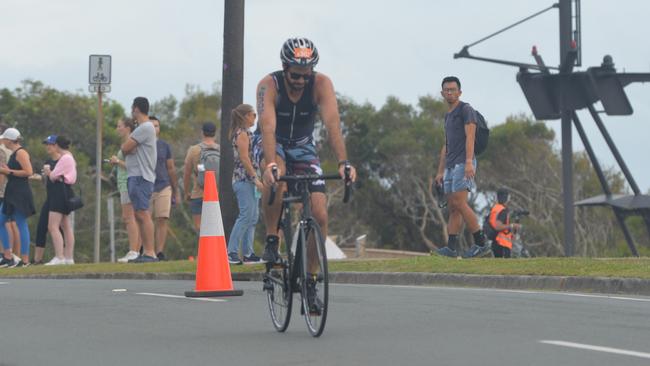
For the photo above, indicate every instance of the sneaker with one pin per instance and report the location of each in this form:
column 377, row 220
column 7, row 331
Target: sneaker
column 69, row 261
column 22, row 264
column 447, row 252
column 144, row 259
column 4, row 263
column 477, row 251
column 131, row 255
column 252, row 259
column 161, row 256
column 313, row 301
column 271, row 254
column 55, row 262
column 233, row 258
column 16, row 264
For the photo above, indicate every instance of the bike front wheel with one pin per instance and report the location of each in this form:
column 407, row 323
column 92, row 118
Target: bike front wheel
column 314, row 278
column 279, row 295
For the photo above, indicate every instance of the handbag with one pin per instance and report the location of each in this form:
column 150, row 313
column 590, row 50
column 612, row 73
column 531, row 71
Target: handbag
column 73, row 202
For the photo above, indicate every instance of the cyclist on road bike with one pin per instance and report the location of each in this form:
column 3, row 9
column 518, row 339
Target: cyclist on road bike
column 287, row 103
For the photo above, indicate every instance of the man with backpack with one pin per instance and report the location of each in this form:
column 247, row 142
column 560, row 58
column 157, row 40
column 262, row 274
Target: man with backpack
column 200, row 158
column 497, row 226
column 457, row 170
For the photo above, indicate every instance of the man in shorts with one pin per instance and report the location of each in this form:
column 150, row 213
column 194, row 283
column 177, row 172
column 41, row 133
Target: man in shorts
column 288, row 102
column 140, row 155
column 191, row 171
column 457, row 170
column 165, row 190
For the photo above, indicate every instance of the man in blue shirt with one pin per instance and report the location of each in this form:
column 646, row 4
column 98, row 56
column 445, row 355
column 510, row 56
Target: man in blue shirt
column 457, row 170
column 165, row 190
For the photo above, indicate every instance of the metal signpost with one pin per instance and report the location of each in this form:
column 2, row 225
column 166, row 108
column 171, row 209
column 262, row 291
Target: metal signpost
column 99, row 78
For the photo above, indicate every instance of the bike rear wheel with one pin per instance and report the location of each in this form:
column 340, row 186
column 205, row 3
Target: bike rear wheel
column 314, row 278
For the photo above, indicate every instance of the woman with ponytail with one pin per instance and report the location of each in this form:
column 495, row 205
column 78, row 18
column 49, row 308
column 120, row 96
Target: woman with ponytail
column 244, row 182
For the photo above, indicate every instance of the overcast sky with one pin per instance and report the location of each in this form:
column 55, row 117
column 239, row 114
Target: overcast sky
column 370, row 49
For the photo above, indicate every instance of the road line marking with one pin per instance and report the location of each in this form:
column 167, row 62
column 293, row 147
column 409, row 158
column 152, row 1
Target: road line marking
column 609, row 297
column 526, row 292
column 4, row 283
column 179, row 297
column 589, row 347
column 119, row 290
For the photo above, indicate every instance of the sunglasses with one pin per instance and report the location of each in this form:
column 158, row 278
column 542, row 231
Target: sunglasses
column 296, row 76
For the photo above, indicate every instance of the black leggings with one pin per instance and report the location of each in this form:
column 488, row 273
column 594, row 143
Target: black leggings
column 499, row 251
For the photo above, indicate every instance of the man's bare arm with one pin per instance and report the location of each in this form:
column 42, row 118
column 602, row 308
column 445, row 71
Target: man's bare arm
column 171, row 170
column 442, row 160
column 129, row 146
column 187, row 174
column 470, row 135
column 266, row 95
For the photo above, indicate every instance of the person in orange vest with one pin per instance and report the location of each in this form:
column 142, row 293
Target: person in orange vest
column 500, row 229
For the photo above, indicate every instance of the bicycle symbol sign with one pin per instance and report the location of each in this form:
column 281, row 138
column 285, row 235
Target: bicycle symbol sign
column 99, row 70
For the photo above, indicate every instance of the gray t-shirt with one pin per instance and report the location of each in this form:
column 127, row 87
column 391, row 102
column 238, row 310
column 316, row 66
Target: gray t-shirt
column 142, row 161
column 455, row 122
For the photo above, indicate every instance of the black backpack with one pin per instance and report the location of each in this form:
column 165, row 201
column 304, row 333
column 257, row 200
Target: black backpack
column 482, row 134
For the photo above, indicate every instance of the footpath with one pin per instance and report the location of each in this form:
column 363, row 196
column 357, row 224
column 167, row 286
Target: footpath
column 604, row 285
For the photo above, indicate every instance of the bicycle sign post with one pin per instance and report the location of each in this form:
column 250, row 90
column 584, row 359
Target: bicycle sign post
column 99, row 69
column 99, row 78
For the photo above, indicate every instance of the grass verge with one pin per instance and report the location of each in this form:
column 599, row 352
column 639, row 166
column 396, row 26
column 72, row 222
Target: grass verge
column 581, row 267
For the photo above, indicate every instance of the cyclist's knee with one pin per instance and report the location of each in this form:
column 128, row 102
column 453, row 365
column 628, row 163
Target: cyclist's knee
column 320, row 214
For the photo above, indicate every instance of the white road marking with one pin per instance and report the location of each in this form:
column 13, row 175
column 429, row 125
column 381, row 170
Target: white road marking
column 609, row 297
column 589, row 347
column 528, row 292
column 4, row 283
column 179, row 297
column 119, row 290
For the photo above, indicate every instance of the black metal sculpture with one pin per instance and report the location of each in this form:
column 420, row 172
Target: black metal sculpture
column 558, row 95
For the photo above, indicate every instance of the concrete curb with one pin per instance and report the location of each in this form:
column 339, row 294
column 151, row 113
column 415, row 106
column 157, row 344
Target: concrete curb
column 606, row 285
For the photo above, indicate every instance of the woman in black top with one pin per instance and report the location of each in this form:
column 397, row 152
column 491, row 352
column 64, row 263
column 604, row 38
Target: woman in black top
column 41, row 229
column 19, row 202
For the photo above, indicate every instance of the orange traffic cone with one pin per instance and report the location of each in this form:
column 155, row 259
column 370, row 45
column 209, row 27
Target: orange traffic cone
column 213, row 276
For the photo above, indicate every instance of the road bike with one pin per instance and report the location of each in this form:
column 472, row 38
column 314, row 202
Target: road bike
column 303, row 265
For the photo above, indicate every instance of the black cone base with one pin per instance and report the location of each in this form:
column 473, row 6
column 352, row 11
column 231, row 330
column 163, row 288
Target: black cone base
column 214, row 293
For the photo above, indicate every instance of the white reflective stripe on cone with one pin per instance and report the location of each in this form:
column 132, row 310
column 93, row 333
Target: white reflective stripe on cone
column 211, row 223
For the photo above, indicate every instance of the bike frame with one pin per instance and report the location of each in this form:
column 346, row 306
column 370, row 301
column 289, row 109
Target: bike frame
column 284, row 223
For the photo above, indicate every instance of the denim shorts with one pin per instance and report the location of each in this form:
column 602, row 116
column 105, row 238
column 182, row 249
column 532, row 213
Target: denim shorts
column 454, row 179
column 196, row 205
column 140, row 191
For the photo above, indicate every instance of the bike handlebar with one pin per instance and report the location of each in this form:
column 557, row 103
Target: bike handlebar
column 312, row 177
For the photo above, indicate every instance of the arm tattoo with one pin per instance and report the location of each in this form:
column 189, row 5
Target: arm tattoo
column 260, row 99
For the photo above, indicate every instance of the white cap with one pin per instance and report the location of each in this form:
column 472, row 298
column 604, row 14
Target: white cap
column 11, row 134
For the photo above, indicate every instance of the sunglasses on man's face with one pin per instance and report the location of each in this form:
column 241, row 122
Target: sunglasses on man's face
column 297, row 75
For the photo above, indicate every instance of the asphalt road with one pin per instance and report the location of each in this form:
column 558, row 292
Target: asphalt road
column 86, row 322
